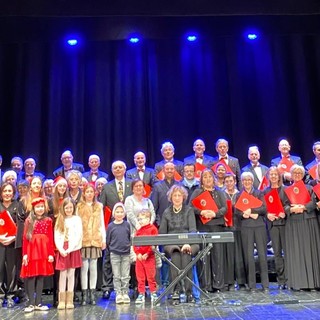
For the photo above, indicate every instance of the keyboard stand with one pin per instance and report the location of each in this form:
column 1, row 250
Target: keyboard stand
column 183, row 274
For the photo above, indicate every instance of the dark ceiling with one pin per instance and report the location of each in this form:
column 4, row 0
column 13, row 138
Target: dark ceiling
column 43, row 20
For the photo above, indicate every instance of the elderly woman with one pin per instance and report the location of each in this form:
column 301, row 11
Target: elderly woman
column 302, row 240
column 74, row 178
column 276, row 224
column 179, row 218
column 212, row 279
column 10, row 176
column 253, row 231
column 48, row 188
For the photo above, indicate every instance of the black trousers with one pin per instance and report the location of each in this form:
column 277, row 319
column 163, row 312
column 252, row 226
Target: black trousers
column 181, row 260
column 249, row 237
column 107, row 277
column 8, row 269
column 277, row 234
column 211, row 269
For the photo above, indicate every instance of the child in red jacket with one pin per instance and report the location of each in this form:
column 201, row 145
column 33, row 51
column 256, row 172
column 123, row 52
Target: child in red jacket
column 145, row 263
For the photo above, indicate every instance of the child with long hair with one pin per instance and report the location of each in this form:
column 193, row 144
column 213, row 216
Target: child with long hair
column 68, row 240
column 93, row 241
column 38, row 252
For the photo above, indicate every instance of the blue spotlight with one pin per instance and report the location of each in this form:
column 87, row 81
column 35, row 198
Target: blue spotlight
column 72, row 42
column 134, row 40
column 191, row 38
column 252, row 36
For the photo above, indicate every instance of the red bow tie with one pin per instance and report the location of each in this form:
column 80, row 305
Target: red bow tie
column 199, row 157
column 140, row 170
column 96, row 173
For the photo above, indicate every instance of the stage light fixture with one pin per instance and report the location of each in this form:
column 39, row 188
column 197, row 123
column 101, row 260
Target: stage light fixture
column 252, row 36
column 134, row 40
column 72, row 42
column 192, row 38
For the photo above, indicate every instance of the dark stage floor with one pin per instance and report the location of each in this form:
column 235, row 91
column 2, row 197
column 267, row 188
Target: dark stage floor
column 225, row 305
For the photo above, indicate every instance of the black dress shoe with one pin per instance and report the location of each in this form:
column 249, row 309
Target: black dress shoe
column 106, row 294
column 190, row 298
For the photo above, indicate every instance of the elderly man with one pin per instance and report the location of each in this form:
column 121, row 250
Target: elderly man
column 17, row 166
column 140, row 171
column 167, row 151
column 222, row 148
column 29, row 170
column 94, row 173
column 114, row 191
column 255, row 167
column 199, row 156
column 67, row 165
column 315, row 161
column 285, row 156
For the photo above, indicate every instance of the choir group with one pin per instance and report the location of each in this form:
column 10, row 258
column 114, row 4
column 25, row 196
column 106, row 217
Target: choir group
column 70, row 227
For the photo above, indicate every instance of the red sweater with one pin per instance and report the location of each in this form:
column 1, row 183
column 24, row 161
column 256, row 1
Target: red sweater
column 148, row 230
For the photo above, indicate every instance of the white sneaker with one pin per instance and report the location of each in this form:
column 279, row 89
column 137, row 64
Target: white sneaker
column 119, row 298
column 40, row 307
column 154, row 297
column 29, row 309
column 126, row 298
column 140, row 299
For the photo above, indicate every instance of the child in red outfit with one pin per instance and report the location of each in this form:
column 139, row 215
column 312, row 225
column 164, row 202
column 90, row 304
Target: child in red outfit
column 145, row 263
column 38, row 252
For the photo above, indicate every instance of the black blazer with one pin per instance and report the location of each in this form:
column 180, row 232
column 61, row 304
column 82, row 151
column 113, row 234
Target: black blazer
column 250, row 168
column 101, row 174
column 109, row 195
column 207, row 160
column 148, row 175
column 60, row 171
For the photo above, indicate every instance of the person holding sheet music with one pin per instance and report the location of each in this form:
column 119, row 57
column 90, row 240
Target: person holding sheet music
column 208, row 220
column 276, row 220
column 316, row 189
column 302, row 234
column 251, row 208
column 234, row 263
column 8, row 253
column 285, row 161
column 179, row 218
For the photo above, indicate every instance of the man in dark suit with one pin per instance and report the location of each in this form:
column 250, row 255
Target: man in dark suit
column 199, row 156
column 316, row 160
column 29, row 170
column 189, row 180
column 114, row 191
column 141, row 171
column 167, row 151
column 222, row 148
column 255, row 167
column 284, row 148
column 17, row 166
column 94, row 173
column 67, row 165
